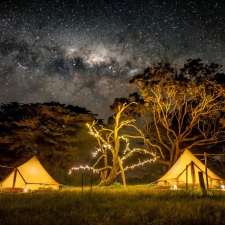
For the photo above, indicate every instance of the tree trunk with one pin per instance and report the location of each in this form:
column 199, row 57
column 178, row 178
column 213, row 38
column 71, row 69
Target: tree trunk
column 123, row 177
column 176, row 153
column 111, row 178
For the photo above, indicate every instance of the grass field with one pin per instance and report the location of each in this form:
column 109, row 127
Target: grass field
column 112, row 206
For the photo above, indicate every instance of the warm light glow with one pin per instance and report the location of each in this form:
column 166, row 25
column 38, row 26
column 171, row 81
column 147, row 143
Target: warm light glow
column 31, row 175
column 174, row 187
column 181, row 172
column 85, row 168
column 140, row 164
column 94, row 154
column 33, row 170
column 25, row 190
column 115, row 145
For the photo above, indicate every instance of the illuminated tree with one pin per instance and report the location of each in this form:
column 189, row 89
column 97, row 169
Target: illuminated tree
column 181, row 108
column 116, row 152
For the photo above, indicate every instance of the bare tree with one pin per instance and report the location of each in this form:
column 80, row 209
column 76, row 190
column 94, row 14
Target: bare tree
column 116, row 152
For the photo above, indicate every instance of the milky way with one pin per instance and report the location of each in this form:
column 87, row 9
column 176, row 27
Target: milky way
column 84, row 52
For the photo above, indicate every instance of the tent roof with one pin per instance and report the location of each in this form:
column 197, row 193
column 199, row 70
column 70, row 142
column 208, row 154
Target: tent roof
column 33, row 168
column 7, row 167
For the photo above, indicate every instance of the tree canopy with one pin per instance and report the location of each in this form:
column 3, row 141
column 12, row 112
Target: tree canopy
column 180, row 108
column 53, row 131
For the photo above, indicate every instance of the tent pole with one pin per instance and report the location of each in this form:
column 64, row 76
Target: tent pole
column 206, row 170
column 82, row 182
column 202, row 183
column 193, row 174
column 186, row 177
column 14, row 178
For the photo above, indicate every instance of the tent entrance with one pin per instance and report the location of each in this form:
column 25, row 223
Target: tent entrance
column 15, row 175
column 193, row 168
column 189, row 172
column 192, row 179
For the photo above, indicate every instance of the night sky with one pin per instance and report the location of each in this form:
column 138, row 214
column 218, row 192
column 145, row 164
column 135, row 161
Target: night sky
column 84, row 52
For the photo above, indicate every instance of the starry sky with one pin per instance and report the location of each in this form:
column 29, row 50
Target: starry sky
column 83, row 52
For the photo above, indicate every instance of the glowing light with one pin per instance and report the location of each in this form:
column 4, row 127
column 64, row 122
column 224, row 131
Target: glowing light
column 222, row 187
column 108, row 139
column 174, row 187
column 25, row 190
column 107, row 146
column 140, row 164
column 33, row 170
column 94, row 154
column 85, row 168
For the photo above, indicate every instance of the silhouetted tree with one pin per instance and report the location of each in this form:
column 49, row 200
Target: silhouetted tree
column 180, row 108
column 55, row 132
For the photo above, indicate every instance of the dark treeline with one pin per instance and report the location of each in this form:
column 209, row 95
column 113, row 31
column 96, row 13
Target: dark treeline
column 56, row 133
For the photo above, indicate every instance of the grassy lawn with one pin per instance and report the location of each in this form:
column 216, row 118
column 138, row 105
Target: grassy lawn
column 114, row 206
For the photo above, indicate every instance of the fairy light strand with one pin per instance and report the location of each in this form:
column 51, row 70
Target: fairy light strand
column 106, row 145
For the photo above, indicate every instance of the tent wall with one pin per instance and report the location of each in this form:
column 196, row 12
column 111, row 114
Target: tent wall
column 185, row 171
column 9, row 181
column 30, row 176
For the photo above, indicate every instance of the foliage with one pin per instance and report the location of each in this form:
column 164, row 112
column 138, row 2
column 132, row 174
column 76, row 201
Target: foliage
column 180, row 108
column 56, row 133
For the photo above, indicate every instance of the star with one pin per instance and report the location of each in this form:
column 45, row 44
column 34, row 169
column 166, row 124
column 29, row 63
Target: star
column 84, row 52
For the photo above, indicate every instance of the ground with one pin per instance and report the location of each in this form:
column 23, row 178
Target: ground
column 112, row 206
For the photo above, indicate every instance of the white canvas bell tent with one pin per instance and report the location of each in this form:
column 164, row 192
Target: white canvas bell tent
column 31, row 175
column 185, row 172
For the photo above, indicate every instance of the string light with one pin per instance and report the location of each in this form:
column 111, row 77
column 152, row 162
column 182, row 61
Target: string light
column 174, row 187
column 107, row 145
column 137, row 150
column 25, row 190
column 85, row 168
column 140, row 164
column 94, row 154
